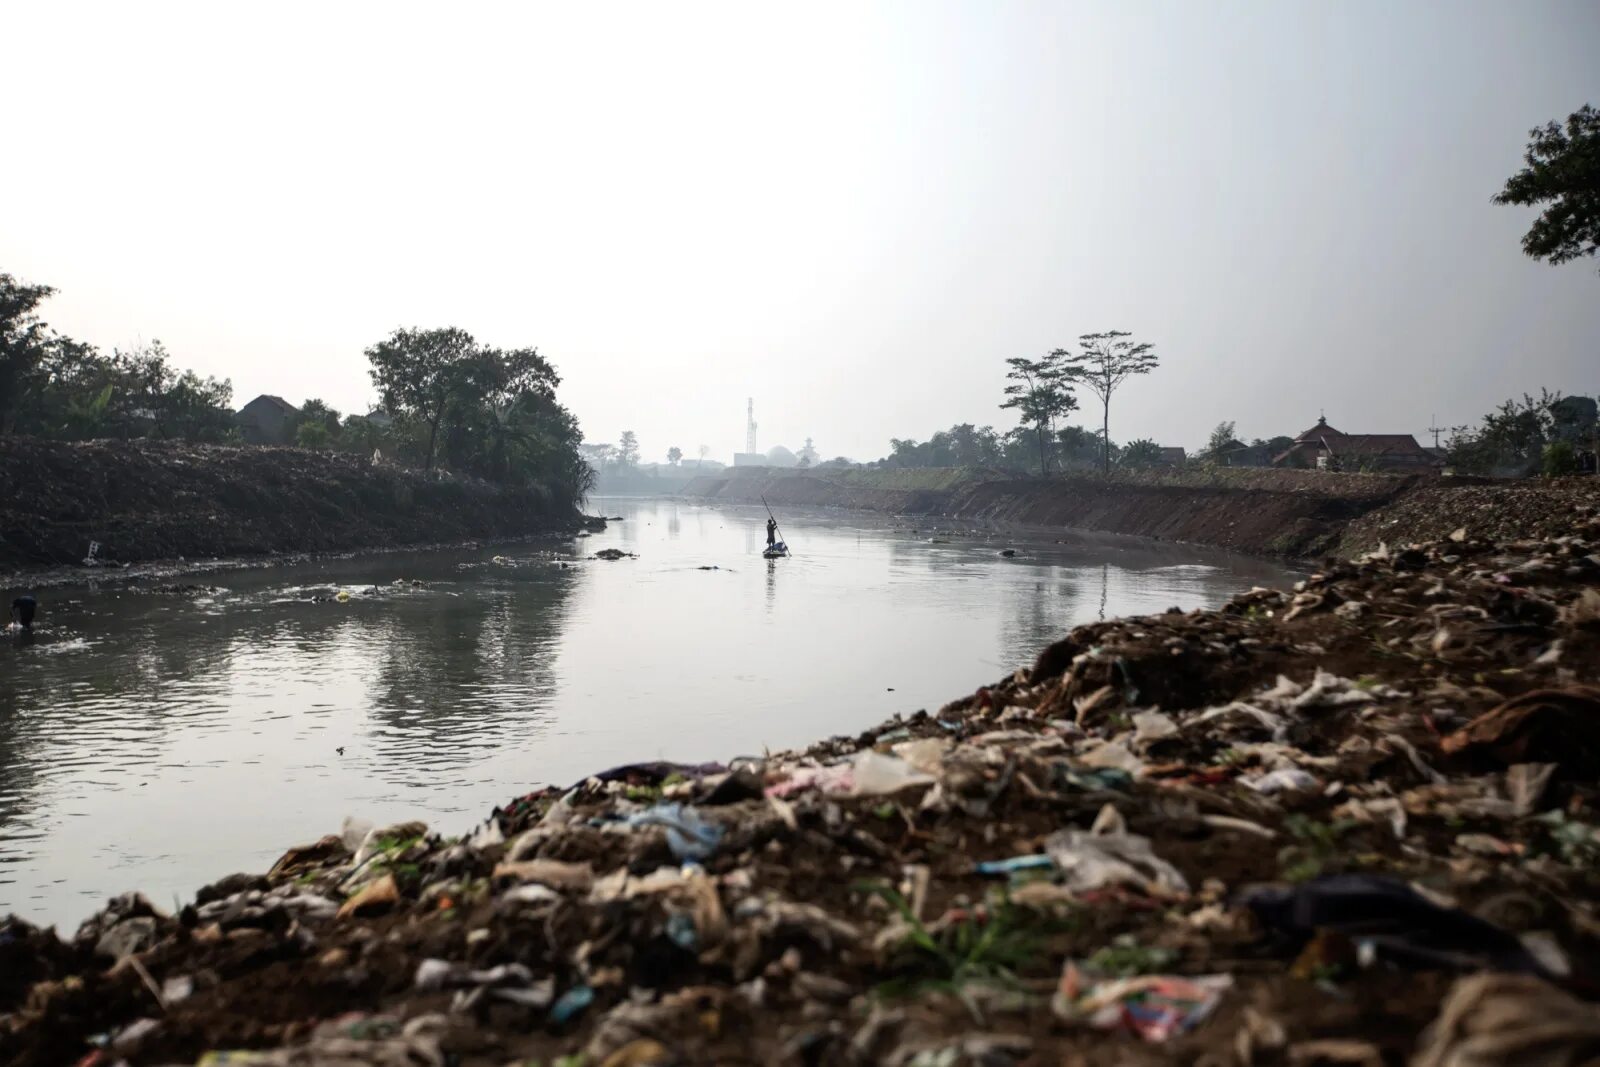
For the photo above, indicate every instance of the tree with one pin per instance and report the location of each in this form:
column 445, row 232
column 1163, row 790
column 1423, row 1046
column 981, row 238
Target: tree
column 1079, row 447
column 1039, row 393
column 628, row 450
column 362, row 435
column 1104, row 361
column 1273, row 446
column 674, row 454
column 1223, row 439
column 1141, row 453
column 150, row 397
column 24, row 343
column 1511, row 440
column 1563, row 171
column 317, row 425
column 705, row 450
column 419, row 371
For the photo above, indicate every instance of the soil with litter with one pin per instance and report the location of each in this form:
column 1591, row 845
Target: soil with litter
column 1349, row 823
column 113, row 503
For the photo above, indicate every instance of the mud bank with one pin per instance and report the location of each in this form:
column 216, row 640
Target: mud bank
column 1352, row 822
column 145, row 501
column 1294, row 514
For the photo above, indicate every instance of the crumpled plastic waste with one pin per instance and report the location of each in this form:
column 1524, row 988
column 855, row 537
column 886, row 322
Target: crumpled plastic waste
column 868, row 774
column 572, row 1003
column 1282, row 780
column 510, row 982
column 690, row 836
column 1389, row 919
column 1154, row 1006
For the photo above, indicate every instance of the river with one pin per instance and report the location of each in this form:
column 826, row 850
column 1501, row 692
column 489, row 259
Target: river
column 157, row 741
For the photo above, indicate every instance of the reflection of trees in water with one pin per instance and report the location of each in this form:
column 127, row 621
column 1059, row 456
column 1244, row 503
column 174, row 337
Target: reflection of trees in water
column 465, row 673
column 113, row 695
column 19, row 771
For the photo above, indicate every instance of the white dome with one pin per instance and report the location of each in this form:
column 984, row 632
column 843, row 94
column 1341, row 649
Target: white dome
column 779, row 456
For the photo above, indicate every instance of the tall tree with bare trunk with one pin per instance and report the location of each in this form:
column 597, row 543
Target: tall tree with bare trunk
column 1040, row 394
column 1103, row 362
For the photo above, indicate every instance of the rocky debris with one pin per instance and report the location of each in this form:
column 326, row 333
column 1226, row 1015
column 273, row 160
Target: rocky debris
column 613, row 554
column 1351, row 822
column 1476, row 508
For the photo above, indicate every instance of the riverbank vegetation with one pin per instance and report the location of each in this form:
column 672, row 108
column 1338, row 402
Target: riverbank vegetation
column 447, row 401
column 53, row 386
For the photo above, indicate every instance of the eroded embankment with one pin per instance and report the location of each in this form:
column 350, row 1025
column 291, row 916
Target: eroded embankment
column 148, row 500
column 1281, row 513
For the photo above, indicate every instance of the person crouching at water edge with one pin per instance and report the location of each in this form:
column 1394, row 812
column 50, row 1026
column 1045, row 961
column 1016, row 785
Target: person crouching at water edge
column 772, row 532
column 22, row 612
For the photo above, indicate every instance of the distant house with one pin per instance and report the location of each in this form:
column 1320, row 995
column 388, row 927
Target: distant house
column 1173, row 456
column 1324, row 448
column 266, row 420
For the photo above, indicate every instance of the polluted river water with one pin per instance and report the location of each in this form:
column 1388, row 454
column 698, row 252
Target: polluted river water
column 157, row 738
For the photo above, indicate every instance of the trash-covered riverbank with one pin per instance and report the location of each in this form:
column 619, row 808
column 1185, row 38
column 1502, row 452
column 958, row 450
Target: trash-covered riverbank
column 1349, row 823
column 115, row 503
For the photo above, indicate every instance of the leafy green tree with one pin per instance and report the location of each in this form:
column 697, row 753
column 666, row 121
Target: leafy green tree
column 53, row 386
column 1223, row 437
column 1039, row 393
column 1563, row 172
column 151, row 398
column 420, row 371
column 317, row 425
column 1103, row 362
column 25, row 343
column 1273, row 446
column 1079, row 447
column 674, row 454
column 363, row 436
column 1510, row 441
column 628, row 450
column 1141, row 453
column 1560, row 458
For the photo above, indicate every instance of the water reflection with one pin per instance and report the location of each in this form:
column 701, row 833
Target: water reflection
column 160, row 741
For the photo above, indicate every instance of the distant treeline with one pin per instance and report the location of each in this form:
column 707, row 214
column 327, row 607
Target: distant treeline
column 446, row 401
column 968, row 445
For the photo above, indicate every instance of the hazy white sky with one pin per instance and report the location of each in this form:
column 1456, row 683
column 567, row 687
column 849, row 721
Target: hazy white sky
column 853, row 212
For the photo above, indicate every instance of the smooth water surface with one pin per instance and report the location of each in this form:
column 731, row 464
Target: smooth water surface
column 156, row 741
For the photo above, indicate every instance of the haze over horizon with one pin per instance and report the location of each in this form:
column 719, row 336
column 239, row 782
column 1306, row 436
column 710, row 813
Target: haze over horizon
column 853, row 216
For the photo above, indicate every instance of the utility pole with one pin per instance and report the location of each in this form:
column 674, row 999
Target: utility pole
column 1435, row 430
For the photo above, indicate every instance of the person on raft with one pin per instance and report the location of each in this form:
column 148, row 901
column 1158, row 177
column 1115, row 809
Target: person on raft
column 23, row 609
column 772, row 531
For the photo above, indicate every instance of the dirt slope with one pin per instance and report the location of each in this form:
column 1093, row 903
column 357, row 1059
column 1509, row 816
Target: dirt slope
column 1267, row 512
column 147, row 500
